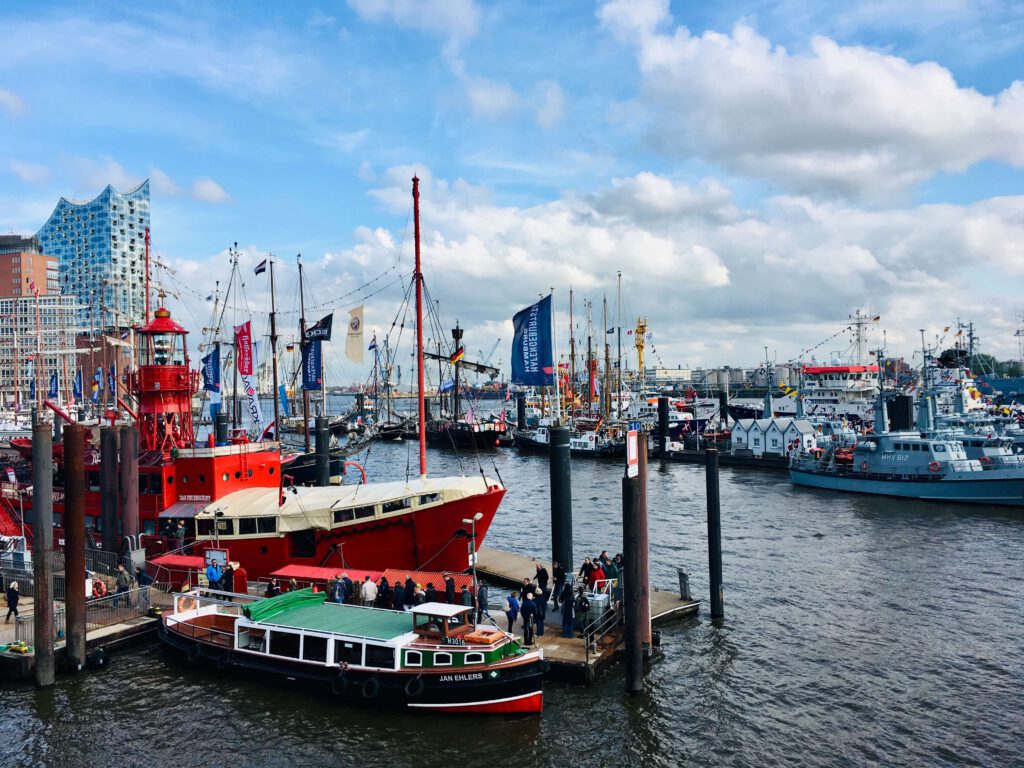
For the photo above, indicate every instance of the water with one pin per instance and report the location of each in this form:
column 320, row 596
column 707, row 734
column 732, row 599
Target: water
column 858, row 631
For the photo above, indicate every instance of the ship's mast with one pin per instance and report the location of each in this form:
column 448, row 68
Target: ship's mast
column 618, row 330
column 273, row 352
column 417, row 277
column 572, row 353
column 606, row 394
column 302, row 347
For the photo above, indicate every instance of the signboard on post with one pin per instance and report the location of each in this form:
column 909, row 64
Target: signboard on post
column 632, row 454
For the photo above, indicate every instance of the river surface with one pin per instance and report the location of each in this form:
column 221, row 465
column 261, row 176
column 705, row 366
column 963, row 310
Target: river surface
column 858, row 631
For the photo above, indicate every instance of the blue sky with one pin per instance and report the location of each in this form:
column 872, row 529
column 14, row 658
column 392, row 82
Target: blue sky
column 756, row 170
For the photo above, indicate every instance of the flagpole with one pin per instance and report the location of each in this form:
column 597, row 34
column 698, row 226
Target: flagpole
column 273, row 352
column 554, row 355
column 418, row 279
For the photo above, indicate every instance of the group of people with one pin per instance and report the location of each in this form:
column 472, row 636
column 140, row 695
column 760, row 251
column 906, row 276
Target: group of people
column 219, row 578
column 602, row 573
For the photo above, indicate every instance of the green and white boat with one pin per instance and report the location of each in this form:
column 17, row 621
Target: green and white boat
column 431, row 658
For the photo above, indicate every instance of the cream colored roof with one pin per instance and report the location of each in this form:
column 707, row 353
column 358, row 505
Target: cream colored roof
column 314, row 507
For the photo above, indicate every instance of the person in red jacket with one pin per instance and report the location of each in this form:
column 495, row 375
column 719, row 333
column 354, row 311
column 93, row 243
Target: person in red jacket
column 596, row 575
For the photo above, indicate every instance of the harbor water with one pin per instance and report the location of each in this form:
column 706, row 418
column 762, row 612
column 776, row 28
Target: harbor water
column 858, row 631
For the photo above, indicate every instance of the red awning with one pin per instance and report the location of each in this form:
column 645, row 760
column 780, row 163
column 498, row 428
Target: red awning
column 180, row 562
column 430, row 577
column 315, row 573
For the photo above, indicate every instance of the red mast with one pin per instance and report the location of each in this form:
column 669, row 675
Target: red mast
column 418, row 279
column 147, row 274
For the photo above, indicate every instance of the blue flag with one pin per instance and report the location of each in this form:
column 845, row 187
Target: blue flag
column 446, row 386
column 112, row 381
column 76, row 385
column 52, row 392
column 98, row 378
column 282, row 394
column 311, row 365
column 32, row 389
column 211, row 371
column 532, row 348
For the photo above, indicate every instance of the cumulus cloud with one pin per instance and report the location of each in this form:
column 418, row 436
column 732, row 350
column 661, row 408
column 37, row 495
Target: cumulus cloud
column 445, row 18
column 551, row 104
column 28, row 172
column 492, row 100
column 835, row 119
column 11, row 103
column 209, row 191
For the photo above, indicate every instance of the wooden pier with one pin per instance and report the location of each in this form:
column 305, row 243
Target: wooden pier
column 569, row 657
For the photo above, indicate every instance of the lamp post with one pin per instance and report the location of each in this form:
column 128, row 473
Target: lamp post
column 471, row 522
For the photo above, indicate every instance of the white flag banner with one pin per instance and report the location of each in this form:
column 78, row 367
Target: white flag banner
column 354, row 339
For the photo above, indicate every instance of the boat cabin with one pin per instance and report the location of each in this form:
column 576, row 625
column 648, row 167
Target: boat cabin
column 441, row 622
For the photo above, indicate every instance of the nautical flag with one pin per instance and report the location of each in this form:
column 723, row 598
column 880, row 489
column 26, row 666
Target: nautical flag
column 629, row 332
column 95, row 392
column 52, row 393
column 112, row 380
column 611, row 330
column 210, row 297
column 98, row 378
column 311, row 366
column 448, row 385
column 354, row 339
column 32, row 389
column 457, row 355
column 373, row 343
column 282, row 394
column 532, row 347
column 32, row 287
column 946, row 329
column 76, row 385
column 321, row 329
column 876, row 318
column 211, row 371
column 959, row 332
column 260, row 268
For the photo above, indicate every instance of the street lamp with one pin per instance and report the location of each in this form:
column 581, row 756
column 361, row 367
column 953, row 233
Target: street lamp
column 471, row 522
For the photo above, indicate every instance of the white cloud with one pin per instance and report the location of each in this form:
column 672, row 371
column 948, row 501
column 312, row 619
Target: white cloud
column 28, row 172
column 11, row 102
column 551, row 106
column 209, row 191
column 838, row 119
column 492, row 100
column 161, row 183
column 93, row 175
column 446, row 18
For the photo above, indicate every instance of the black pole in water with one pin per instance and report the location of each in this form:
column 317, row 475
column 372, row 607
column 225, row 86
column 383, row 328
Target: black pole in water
column 662, row 426
column 323, row 452
column 561, row 496
column 74, row 544
column 42, row 566
column 521, row 413
column 109, row 488
column 714, row 533
column 221, row 428
column 631, row 583
column 723, row 407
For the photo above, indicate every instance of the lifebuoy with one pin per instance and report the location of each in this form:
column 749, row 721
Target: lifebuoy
column 194, row 652
column 864, row 465
column 985, row 461
column 414, row 687
column 184, row 604
column 371, row 688
column 340, row 684
column 99, row 588
column 934, row 466
column 357, row 466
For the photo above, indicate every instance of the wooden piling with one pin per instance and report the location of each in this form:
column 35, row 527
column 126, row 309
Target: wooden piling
column 42, row 565
column 74, row 545
column 109, row 495
column 130, row 481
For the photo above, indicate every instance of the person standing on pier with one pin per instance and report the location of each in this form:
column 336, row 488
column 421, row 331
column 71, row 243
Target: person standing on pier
column 529, row 611
column 511, row 610
column 585, row 570
column 568, row 604
column 349, row 589
column 124, row 581
column 398, row 595
column 410, row 592
column 542, row 613
column 559, row 573
column 542, row 578
column 481, row 604
column 449, row 589
column 430, row 594
column 13, row 596
column 213, row 575
column 369, row 592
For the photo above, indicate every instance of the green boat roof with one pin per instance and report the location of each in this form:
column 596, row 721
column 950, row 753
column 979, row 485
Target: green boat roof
column 304, row 609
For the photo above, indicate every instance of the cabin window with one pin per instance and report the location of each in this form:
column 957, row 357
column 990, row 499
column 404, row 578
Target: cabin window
column 380, row 656
column 170, row 479
column 57, row 520
column 916, row 447
column 429, row 498
column 92, row 480
column 303, row 543
column 474, row 658
column 202, row 479
column 348, row 653
column 442, row 659
column 149, row 527
column 246, row 526
column 428, row 624
column 97, row 523
column 456, row 621
column 204, row 527
column 284, row 644
column 314, row 648
column 270, row 471
column 395, row 505
column 238, row 475
column 757, row 441
column 361, row 512
column 343, row 515
column 225, row 477
column 266, row 525
column 413, row 659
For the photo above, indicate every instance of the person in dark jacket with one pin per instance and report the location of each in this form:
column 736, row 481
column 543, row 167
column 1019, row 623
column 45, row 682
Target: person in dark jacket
column 585, row 570
column 398, row 594
column 481, row 603
column 449, row 589
column 568, row 608
column 465, row 598
column 542, row 613
column 349, row 587
column 410, row 592
column 273, row 589
column 559, row 575
column 542, row 577
column 383, row 593
column 13, row 595
column 430, row 594
column 529, row 612
column 227, row 579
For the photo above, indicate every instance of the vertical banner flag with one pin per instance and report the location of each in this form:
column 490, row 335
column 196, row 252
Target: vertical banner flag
column 52, row 392
column 245, row 357
column 282, row 395
column 98, row 378
column 354, row 340
column 211, row 379
column 32, row 389
column 311, row 377
column 112, row 381
column 76, row 385
column 532, row 348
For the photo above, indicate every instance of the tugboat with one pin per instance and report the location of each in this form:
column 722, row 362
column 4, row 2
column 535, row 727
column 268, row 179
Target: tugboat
column 430, row 659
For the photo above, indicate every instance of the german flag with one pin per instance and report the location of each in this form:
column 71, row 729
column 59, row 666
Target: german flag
column 459, row 354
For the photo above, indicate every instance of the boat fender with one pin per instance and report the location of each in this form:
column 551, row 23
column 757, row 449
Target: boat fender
column 934, row 466
column 371, row 688
column 340, row 685
column 414, row 688
column 97, row 659
column 194, row 652
column 864, row 465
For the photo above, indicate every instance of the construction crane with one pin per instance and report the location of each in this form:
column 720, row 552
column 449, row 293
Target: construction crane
column 486, row 359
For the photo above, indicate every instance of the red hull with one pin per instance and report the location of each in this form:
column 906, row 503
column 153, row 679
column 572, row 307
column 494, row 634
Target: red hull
column 421, row 540
column 530, row 704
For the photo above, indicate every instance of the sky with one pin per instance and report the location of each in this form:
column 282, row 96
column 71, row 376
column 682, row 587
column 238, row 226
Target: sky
column 756, row 171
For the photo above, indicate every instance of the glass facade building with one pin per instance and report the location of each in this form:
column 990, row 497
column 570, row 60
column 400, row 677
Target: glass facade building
column 100, row 247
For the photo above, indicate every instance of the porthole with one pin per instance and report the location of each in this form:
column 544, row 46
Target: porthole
column 238, row 475
column 170, row 479
column 224, row 477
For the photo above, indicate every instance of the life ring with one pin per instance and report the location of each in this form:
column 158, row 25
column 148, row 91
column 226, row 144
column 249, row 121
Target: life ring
column 371, row 688
column 339, row 686
column 985, row 461
column 864, row 465
column 357, row 466
column 99, row 588
column 184, row 604
column 934, row 466
column 414, row 687
column 194, row 652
